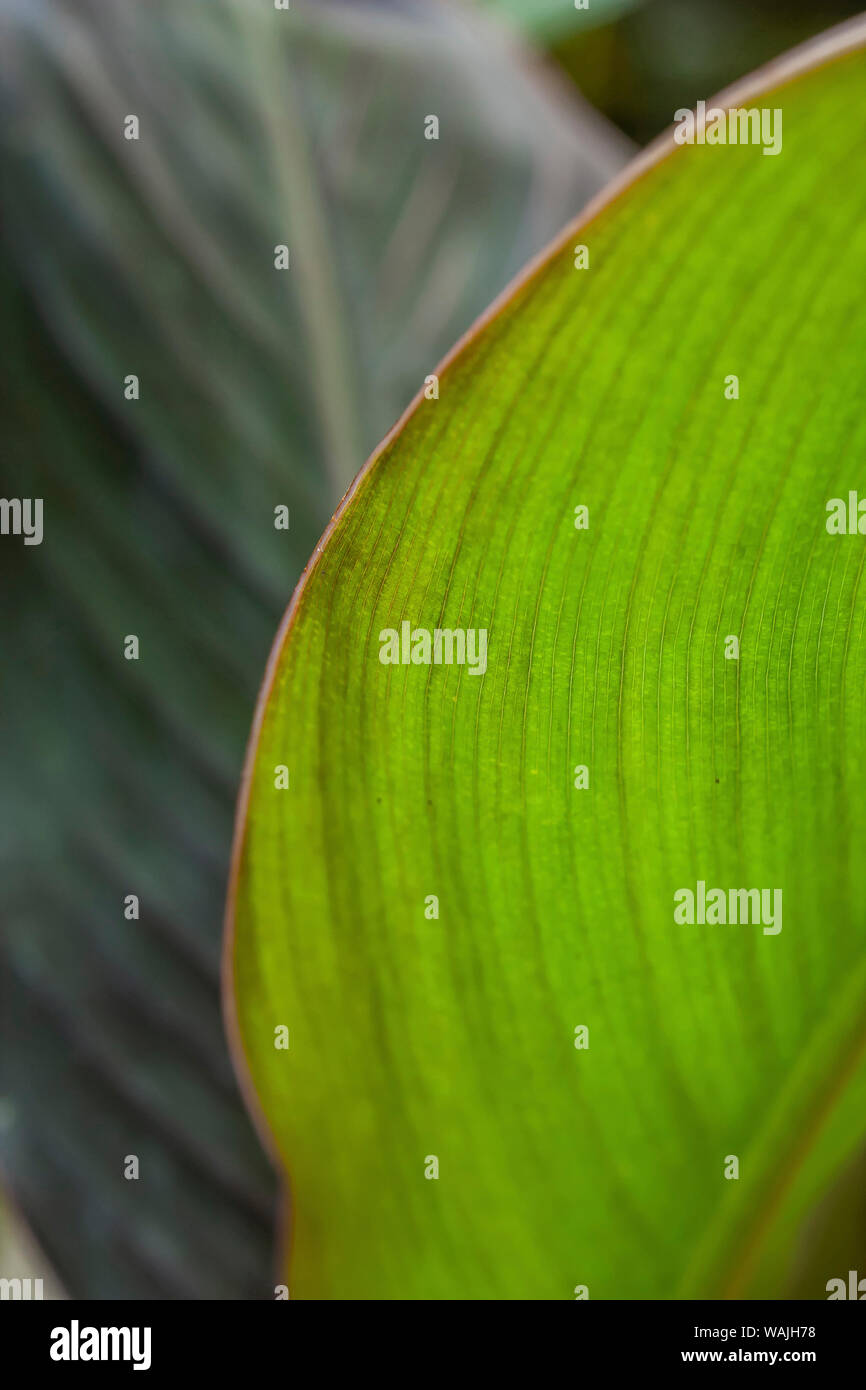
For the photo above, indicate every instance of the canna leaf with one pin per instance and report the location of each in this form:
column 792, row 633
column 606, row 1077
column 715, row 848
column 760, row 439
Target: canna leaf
column 461, row 909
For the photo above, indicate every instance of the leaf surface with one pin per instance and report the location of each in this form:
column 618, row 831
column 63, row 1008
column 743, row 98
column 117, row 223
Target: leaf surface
column 415, row 1037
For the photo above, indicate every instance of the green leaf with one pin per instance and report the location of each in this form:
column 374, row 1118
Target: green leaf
column 413, row 1036
column 257, row 389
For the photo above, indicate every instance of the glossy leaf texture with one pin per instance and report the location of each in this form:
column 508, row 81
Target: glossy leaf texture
column 257, row 389
column 415, row 1036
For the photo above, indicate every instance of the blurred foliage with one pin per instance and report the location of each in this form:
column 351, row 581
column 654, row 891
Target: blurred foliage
column 659, row 55
column 546, row 21
column 156, row 257
column 833, row 1238
column 20, row 1257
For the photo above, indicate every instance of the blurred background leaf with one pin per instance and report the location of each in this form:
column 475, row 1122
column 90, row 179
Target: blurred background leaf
column 20, row 1256
column 258, row 389
column 654, row 57
column 547, row 21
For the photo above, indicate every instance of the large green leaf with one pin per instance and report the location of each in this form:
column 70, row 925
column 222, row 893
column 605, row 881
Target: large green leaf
column 156, row 257
column 412, row 1036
